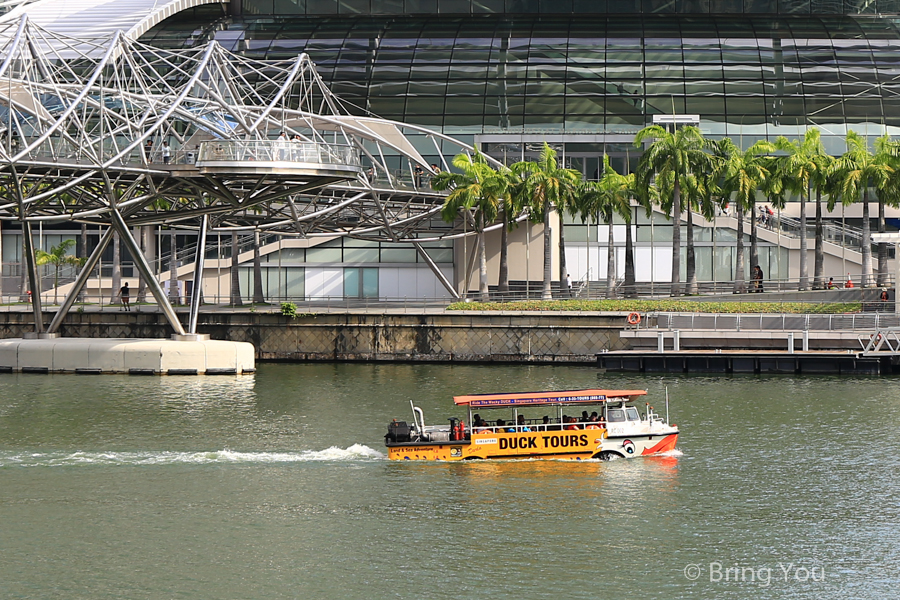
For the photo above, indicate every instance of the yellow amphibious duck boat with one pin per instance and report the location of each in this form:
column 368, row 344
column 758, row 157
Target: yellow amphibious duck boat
column 539, row 426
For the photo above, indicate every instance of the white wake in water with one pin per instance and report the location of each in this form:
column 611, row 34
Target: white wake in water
column 672, row 452
column 356, row 452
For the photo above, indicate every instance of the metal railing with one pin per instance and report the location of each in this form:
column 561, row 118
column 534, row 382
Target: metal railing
column 866, row 321
column 279, row 151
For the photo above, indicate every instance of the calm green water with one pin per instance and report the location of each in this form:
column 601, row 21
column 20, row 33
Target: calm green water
column 275, row 486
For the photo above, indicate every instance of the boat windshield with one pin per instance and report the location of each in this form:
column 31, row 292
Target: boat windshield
column 615, row 415
column 633, row 414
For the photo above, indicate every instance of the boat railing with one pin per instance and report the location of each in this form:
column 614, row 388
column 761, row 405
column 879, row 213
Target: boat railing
column 537, row 425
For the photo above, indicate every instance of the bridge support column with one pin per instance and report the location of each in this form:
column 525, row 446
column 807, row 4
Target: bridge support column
column 140, row 262
column 437, row 271
column 197, row 291
column 34, row 282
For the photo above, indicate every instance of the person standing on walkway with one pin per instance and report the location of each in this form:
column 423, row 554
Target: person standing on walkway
column 757, row 279
column 125, row 295
column 166, row 153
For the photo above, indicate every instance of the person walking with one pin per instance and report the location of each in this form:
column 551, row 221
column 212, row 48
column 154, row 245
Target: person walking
column 757, row 279
column 166, row 153
column 125, row 295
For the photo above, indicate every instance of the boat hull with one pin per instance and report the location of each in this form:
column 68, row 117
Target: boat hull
column 556, row 445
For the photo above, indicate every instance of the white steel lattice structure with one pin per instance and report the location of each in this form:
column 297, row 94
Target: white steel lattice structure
column 114, row 132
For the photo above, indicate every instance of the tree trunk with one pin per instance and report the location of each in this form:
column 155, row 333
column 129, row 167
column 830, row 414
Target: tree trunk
column 676, row 240
column 882, row 249
column 258, row 296
column 547, row 292
column 610, row 261
column 819, row 256
column 691, row 258
column 804, row 268
column 866, row 241
column 754, row 235
column 630, row 291
column 235, row 276
column 563, row 272
column 739, row 286
column 116, row 269
column 483, row 288
column 503, row 277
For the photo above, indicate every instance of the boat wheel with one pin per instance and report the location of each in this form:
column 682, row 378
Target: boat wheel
column 609, row 455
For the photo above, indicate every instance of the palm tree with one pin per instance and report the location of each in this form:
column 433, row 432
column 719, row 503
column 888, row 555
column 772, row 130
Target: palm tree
column 742, row 172
column 510, row 211
column 545, row 186
column 609, row 196
column 888, row 195
column 799, row 167
column 57, row 257
column 480, row 188
column 676, row 155
column 821, row 181
column 855, row 170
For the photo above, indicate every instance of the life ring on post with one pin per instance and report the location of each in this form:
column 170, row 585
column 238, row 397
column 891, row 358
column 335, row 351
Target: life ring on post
column 633, row 318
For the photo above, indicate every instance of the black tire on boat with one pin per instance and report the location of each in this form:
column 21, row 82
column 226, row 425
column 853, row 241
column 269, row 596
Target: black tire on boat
column 607, row 455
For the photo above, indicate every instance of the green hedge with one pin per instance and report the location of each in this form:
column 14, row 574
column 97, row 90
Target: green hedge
column 644, row 306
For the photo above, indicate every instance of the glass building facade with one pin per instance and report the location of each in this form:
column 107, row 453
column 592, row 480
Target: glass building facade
column 597, row 71
column 586, row 75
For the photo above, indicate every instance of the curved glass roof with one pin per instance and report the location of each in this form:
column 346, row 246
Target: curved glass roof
column 744, row 75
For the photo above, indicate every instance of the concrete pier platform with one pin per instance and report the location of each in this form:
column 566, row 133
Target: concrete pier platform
column 134, row 356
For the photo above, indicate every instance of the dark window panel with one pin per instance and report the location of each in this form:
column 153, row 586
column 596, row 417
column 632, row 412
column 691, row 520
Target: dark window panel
column 705, row 105
column 353, row 7
column 385, row 7
column 289, row 7
column 466, row 88
column 389, row 106
column 414, row 7
column 522, row 6
column 661, row 87
column 662, row 71
column 793, row 7
column 624, row 6
column 726, row 6
column 746, row 105
column 691, row 6
column 582, row 7
column 761, row 6
column 259, row 7
column 826, row 7
column 467, row 105
column 595, row 105
column 704, row 88
column 488, row 6
column 320, row 7
column 650, row 7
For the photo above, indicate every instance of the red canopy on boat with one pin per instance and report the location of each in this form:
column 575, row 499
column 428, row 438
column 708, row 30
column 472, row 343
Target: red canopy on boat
column 544, row 398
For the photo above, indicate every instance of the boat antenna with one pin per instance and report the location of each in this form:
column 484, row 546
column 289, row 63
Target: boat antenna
column 667, row 405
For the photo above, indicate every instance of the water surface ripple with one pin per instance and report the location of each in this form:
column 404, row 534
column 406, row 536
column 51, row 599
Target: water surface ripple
column 276, row 486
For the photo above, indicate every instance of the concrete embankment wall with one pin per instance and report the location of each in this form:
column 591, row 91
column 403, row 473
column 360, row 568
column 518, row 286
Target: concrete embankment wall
column 444, row 337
